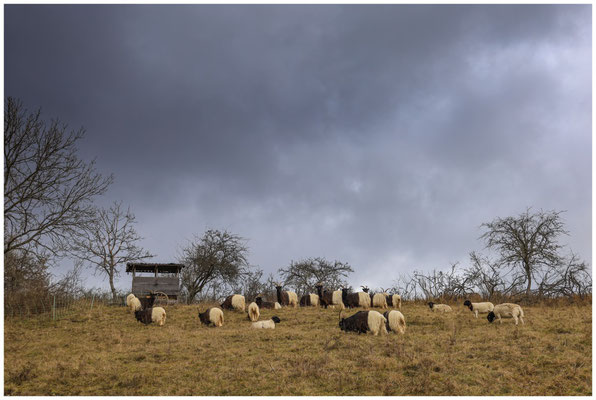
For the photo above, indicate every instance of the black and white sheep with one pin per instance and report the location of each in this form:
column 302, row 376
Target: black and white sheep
column 364, row 321
column 156, row 315
column 479, row 308
column 506, row 310
column 212, row 316
column 269, row 324
column 253, row 312
column 285, row 297
column 274, row 305
column 234, row 302
column 442, row 308
column 396, row 322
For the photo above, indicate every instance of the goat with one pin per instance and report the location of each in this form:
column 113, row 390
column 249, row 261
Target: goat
column 482, row 308
column 284, row 297
column 364, row 321
column 327, row 298
column 213, row 316
column 395, row 321
column 351, row 300
column 149, row 315
column 267, row 304
column 309, row 300
column 506, row 310
column 253, row 312
column 234, row 302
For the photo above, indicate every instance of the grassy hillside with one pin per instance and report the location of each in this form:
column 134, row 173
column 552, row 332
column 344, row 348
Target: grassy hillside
column 107, row 352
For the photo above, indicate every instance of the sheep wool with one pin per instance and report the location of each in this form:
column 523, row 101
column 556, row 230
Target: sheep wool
column 336, row 299
column 379, row 300
column 479, row 308
column 506, row 310
column 269, row 324
column 238, row 302
column 129, row 298
column 376, row 323
column 440, row 308
column 277, row 306
column 292, row 299
column 396, row 300
column 364, row 300
column 216, row 316
column 134, row 304
column 253, row 312
column 158, row 316
column 395, row 321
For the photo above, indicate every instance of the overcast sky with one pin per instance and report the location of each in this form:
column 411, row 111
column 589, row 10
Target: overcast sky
column 381, row 136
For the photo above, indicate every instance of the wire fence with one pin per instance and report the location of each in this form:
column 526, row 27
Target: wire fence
column 56, row 307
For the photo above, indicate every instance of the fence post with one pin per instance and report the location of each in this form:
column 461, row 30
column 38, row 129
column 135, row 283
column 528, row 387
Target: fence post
column 54, row 309
column 92, row 300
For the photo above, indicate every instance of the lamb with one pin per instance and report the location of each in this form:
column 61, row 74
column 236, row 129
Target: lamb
column 442, row 308
column 269, row 324
column 133, row 303
column 359, row 299
column 309, row 300
column 364, row 321
column 253, row 312
column 234, row 302
column 506, row 310
column 482, row 308
column 213, row 315
column 267, row 304
column 379, row 300
column 286, row 298
column 395, row 321
column 148, row 315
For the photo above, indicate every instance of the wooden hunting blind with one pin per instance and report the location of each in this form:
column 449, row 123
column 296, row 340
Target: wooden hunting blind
column 163, row 278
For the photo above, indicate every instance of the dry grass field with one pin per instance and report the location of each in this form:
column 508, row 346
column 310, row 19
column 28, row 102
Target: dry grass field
column 107, row 352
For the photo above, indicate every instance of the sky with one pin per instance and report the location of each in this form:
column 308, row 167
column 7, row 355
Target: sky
column 380, row 135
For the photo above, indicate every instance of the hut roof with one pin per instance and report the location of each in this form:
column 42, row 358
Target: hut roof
column 150, row 267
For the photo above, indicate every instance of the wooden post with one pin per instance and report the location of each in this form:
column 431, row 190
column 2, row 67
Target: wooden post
column 156, row 271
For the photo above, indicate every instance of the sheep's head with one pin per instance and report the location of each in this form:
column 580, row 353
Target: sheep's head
column 491, row 316
column 431, row 304
column 468, row 303
column 276, row 320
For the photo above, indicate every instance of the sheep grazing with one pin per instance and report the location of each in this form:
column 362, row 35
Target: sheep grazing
column 213, row 316
column 379, row 300
column 442, row 308
column 269, row 324
column 479, row 308
column 395, row 321
column 133, row 303
column 329, row 299
column 267, row 304
column 364, row 321
column 234, row 302
column 309, row 300
column 506, row 310
column 351, row 300
column 286, row 298
column 253, row 312
column 156, row 315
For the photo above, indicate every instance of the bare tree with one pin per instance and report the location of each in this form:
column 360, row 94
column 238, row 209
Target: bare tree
column 48, row 190
column 305, row 274
column 492, row 280
column 110, row 241
column 217, row 256
column 528, row 241
column 569, row 278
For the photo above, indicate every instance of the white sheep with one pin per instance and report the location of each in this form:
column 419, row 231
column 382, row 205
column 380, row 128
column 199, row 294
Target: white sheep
column 269, row 324
column 379, row 300
column 134, row 304
column 396, row 321
column 479, row 308
column 213, row 316
column 506, row 310
column 442, row 308
column 253, row 312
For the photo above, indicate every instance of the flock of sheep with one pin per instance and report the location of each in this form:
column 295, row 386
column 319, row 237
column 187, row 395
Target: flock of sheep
column 361, row 322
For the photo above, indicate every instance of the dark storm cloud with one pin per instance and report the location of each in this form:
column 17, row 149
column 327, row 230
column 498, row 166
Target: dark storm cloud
column 378, row 135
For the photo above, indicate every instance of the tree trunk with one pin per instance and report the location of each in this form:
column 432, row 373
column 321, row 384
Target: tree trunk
column 528, row 289
column 114, row 296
